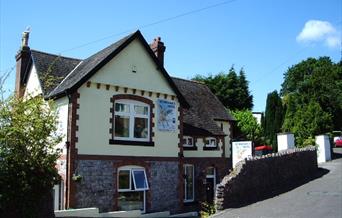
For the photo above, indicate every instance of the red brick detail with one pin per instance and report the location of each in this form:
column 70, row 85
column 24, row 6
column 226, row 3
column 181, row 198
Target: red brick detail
column 125, row 89
column 173, row 97
column 165, row 96
column 181, row 159
column 98, row 85
column 136, row 162
column 115, row 157
column 72, row 151
column 223, row 147
column 88, row 84
column 136, row 98
column 142, row 92
column 134, row 91
column 107, row 86
column 116, row 88
column 149, row 94
column 158, row 94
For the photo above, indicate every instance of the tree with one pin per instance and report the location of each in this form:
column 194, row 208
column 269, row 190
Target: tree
column 28, row 136
column 273, row 120
column 231, row 89
column 248, row 125
column 318, row 80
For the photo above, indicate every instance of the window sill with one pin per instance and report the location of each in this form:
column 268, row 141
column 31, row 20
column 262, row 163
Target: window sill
column 210, row 148
column 134, row 143
column 192, row 148
column 189, row 203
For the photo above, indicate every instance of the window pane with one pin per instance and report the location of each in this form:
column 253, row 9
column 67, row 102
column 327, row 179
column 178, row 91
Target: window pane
column 189, row 182
column 189, row 141
column 141, row 109
column 140, row 180
column 213, row 141
column 210, row 171
column 131, row 201
column 124, row 179
column 140, row 127
column 119, row 107
column 121, row 126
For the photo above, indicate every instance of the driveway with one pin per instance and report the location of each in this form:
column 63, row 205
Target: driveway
column 319, row 198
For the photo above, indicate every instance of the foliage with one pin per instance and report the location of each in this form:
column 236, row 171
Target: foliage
column 231, row 89
column 248, row 125
column 315, row 80
column 309, row 142
column 207, row 209
column 28, row 135
column 306, row 120
column 273, row 120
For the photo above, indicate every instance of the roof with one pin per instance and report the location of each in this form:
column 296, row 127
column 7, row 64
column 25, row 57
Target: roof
column 205, row 108
column 52, row 69
column 91, row 65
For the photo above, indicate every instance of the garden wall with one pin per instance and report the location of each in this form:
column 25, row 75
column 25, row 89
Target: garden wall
column 256, row 178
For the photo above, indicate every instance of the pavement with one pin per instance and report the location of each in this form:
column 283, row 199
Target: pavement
column 321, row 198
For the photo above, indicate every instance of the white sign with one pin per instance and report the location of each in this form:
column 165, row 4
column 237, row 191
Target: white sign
column 166, row 115
column 241, row 150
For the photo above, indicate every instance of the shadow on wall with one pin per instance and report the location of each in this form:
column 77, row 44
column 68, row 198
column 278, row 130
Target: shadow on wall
column 259, row 178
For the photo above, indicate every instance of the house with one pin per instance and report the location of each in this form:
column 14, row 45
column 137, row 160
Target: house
column 134, row 137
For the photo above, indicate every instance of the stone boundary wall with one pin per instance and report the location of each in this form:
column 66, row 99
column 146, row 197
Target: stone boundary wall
column 258, row 177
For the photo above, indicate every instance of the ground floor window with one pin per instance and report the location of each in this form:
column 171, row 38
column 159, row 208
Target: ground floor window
column 132, row 187
column 188, row 183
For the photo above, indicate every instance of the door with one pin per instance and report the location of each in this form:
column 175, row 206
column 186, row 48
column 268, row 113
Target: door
column 210, row 190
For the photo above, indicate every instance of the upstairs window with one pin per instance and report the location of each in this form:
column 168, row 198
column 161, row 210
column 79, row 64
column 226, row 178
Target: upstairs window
column 188, row 141
column 210, row 142
column 131, row 121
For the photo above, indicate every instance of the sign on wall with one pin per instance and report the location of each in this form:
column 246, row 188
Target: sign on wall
column 241, row 150
column 166, row 115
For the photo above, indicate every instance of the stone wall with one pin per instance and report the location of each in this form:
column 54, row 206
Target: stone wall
column 255, row 178
column 98, row 186
column 163, row 183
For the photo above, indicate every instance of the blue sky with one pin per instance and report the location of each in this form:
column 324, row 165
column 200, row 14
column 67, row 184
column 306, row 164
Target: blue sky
column 264, row 37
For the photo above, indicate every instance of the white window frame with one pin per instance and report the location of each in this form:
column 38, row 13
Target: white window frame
column 132, row 115
column 135, row 186
column 193, row 183
column 211, row 145
column 131, row 169
column 186, row 138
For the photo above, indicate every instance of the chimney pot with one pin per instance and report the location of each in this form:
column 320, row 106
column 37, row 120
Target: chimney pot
column 158, row 49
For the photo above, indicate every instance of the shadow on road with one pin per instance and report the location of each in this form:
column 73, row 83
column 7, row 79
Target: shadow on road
column 337, row 153
column 285, row 188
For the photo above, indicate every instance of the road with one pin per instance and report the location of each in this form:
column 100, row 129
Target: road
column 321, row 198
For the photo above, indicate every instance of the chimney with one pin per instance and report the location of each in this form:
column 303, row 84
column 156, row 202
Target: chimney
column 23, row 59
column 158, row 49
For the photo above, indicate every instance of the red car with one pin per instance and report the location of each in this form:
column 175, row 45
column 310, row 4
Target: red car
column 338, row 142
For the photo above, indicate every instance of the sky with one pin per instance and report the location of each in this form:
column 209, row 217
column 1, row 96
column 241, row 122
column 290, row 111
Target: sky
column 264, row 37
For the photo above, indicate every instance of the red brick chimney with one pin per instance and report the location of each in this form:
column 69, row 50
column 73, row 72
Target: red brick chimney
column 158, row 48
column 23, row 59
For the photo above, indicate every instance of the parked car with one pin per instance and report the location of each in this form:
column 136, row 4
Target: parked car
column 263, row 149
column 338, row 141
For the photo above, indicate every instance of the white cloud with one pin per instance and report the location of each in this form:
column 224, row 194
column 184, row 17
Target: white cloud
column 320, row 31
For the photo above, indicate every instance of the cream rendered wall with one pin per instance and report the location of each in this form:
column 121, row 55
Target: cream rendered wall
column 119, row 71
column 94, row 112
column 62, row 110
column 33, row 87
column 226, row 130
column 203, row 153
column 93, row 124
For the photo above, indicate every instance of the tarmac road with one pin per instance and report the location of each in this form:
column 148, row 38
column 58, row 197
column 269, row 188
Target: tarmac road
column 321, row 198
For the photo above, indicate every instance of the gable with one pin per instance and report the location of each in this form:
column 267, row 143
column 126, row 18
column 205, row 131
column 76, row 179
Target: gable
column 120, row 71
column 33, row 86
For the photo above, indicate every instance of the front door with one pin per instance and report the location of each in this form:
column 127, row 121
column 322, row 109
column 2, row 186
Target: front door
column 210, row 190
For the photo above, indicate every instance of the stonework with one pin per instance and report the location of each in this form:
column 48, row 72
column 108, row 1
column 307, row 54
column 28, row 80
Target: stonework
column 96, row 188
column 164, row 186
column 257, row 177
